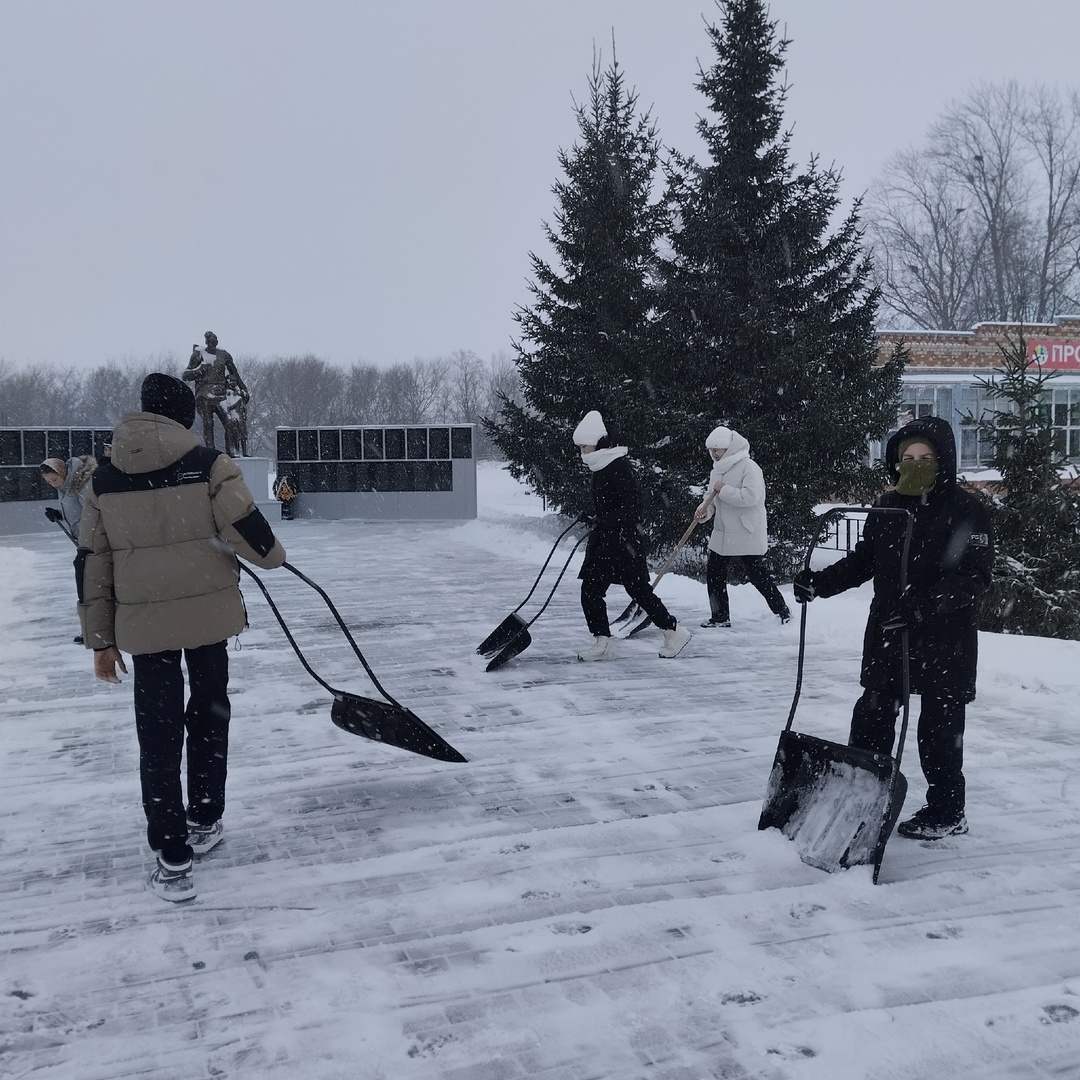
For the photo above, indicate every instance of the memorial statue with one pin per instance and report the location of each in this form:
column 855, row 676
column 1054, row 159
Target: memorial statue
column 219, row 392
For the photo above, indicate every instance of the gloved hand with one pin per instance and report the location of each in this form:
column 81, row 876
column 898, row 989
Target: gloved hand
column 804, row 586
column 907, row 614
column 53, row 514
column 588, row 520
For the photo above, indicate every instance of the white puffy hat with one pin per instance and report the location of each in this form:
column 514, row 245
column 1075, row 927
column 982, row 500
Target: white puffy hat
column 718, row 439
column 591, row 429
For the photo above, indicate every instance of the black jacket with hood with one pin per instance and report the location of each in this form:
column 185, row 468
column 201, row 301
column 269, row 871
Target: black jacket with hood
column 951, row 559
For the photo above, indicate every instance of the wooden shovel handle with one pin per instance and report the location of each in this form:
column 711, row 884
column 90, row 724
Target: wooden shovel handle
column 666, row 565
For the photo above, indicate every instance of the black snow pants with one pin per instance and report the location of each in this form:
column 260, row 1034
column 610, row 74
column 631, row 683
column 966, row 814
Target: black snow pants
column 594, row 589
column 941, row 743
column 162, row 721
column 757, row 573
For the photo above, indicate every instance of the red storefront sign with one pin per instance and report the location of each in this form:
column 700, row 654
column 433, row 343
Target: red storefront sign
column 1054, row 355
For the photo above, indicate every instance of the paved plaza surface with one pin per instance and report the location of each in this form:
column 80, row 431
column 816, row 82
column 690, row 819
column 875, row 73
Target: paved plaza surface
column 588, row 897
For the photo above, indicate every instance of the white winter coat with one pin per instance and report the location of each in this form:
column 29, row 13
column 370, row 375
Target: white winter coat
column 738, row 511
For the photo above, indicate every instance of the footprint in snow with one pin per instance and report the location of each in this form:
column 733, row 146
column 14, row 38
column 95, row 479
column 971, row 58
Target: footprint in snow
column 1058, row 1014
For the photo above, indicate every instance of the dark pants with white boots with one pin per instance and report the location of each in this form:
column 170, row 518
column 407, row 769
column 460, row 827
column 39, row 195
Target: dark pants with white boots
column 594, row 589
column 162, row 722
column 757, row 573
column 941, row 743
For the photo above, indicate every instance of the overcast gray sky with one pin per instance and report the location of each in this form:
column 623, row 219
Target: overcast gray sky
column 364, row 179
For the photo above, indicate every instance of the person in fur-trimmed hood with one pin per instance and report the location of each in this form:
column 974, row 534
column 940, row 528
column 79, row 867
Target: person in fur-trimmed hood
column 615, row 551
column 949, row 567
column 158, row 577
column 69, row 479
column 740, row 529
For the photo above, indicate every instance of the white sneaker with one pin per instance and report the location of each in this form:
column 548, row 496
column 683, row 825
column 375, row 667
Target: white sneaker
column 602, row 648
column 675, row 641
column 201, row 838
column 173, row 883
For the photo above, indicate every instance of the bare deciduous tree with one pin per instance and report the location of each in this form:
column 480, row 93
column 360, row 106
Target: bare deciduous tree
column 983, row 221
column 285, row 392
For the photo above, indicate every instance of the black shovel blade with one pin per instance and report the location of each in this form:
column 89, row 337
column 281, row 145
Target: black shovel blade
column 391, row 724
column 501, row 636
column 517, row 644
column 629, row 614
column 837, row 803
column 642, row 624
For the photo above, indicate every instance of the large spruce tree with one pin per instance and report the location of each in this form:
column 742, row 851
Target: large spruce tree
column 767, row 314
column 1036, row 517
column 586, row 340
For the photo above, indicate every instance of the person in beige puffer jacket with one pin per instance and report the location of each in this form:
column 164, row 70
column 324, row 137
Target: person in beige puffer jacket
column 157, row 577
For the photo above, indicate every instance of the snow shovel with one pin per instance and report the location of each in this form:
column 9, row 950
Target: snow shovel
column 634, row 619
column 523, row 639
column 514, row 624
column 382, row 721
column 838, row 803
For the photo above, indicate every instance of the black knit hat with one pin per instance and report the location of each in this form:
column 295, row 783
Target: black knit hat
column 168, row 397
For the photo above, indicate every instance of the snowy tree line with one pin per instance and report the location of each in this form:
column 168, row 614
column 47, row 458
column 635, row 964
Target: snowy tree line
column 285, row 391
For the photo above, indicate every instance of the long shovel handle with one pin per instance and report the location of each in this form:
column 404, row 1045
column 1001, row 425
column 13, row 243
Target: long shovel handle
column 566, row 566
column 344, row 629
column 285, row 628
column 633, row 610
column 835, row 514
column 667, row 563
column 68, row 533
column 551, row 553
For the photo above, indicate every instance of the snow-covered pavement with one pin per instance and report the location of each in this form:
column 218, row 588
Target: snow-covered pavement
column 588, row 897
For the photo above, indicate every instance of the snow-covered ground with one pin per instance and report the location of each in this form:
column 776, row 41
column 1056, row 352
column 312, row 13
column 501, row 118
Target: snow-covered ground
column 587, row 898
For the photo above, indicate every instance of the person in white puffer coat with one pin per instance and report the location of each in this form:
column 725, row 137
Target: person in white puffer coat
column 740, row 527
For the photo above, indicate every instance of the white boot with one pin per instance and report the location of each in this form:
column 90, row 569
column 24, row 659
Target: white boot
column 674, row 642
column 602, row 648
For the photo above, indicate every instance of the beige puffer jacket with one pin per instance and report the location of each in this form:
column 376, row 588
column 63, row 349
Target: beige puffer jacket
column 158, row 542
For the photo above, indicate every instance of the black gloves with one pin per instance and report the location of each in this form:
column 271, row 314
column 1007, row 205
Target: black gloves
column 53, row 514
column 803, row 585
column 906, row 615
column 588, row 520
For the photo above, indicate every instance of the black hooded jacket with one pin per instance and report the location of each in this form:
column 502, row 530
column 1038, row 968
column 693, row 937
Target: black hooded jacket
column 951, row 559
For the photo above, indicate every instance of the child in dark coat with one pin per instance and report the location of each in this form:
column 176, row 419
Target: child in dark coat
column 949, row 566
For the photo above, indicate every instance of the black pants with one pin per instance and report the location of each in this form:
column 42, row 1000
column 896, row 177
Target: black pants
column 594, row 589
column 162, row 721
column 757, row 573
column 941, row 743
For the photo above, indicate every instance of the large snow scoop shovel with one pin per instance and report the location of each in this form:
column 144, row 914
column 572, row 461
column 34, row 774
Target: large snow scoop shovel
column 514, row 624
column 634, row 619
column 523, row 639
column 837, row 803
column 382, row 721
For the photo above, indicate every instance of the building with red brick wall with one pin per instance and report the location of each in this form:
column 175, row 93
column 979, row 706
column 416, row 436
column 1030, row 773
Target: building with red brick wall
column 944, row 367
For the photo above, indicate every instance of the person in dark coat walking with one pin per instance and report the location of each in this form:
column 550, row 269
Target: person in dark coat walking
column 949, row 568
column 615, row 551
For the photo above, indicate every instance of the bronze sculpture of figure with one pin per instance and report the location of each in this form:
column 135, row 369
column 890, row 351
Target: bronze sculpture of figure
column 219, row 392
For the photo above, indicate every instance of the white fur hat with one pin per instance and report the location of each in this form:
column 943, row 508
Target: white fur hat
column 591, row 429
column 719, row 439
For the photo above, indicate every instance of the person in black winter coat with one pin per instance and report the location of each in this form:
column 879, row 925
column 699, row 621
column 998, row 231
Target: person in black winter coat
column 615, row 551
column 949, row 567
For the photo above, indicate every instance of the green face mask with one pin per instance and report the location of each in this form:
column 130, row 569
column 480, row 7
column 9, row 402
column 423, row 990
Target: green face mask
column 917, row 477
